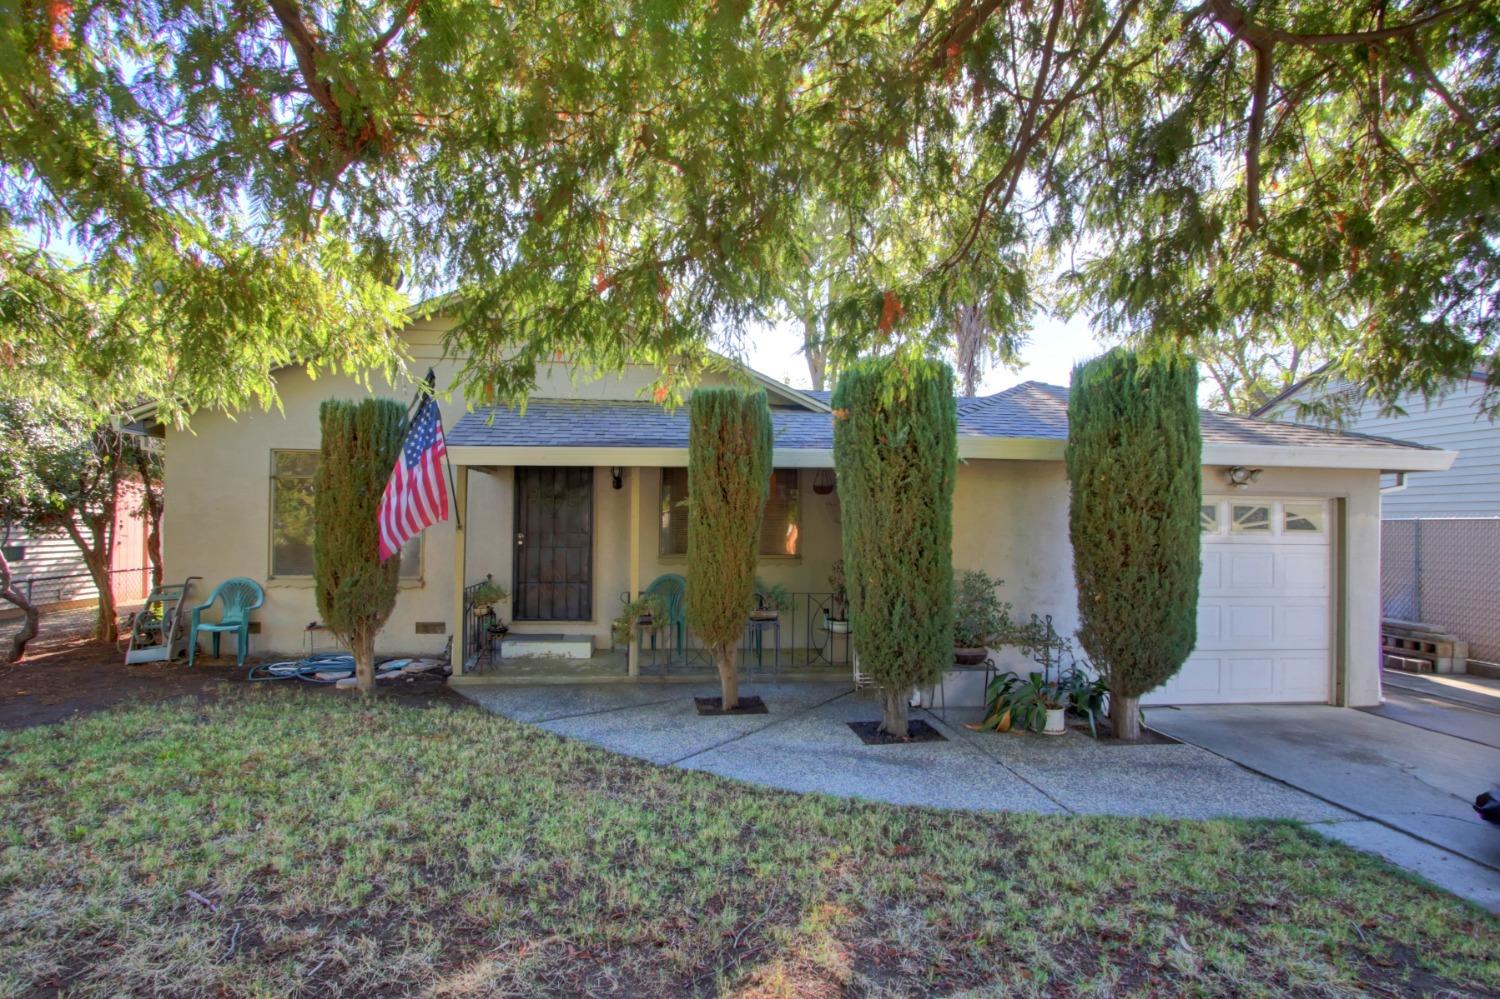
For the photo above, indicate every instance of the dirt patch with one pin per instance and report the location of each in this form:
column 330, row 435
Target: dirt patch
column 916, row 731
column 715, row 706
column 72, row 677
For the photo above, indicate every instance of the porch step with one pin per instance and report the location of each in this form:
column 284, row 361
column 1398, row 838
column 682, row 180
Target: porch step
column 557, row 646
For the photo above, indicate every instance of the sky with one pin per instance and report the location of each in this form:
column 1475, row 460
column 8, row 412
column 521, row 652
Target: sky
column 1053, row 348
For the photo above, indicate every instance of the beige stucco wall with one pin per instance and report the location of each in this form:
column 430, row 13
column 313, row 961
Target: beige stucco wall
column 1011, row 519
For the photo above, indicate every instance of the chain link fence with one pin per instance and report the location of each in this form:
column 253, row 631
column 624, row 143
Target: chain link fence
column 1445, row 572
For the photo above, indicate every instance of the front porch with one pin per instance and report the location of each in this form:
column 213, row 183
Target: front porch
column 573, row 541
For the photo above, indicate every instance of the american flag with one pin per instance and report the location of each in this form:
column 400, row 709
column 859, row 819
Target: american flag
column 416, row 495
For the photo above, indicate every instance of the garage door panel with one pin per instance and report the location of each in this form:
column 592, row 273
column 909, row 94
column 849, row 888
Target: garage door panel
column 1251, row 570
column 1264, row 614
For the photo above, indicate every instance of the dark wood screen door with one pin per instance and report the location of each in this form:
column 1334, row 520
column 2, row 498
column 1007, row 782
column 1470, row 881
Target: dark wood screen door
column 554, row 555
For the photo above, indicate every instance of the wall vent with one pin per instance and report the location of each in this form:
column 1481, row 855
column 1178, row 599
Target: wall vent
column 432, row 627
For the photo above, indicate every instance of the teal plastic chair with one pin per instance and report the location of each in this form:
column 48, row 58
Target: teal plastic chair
column 240, row 596
column 672, row 589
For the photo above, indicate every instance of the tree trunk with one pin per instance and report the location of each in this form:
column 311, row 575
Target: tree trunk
column 816, row 352
column 363, row 647
column 729, row 678
column 1125, row 716
column 96, row 551
column 154, row 508
column 12, row 593
column 894, row 707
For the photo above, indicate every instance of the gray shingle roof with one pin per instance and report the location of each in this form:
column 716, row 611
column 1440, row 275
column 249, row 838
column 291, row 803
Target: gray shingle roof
column 1031, row 410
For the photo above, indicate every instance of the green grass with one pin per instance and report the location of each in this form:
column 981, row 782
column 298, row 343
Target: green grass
column 393, row 850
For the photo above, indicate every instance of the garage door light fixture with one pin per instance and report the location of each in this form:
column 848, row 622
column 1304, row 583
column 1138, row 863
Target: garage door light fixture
column 1239, row 476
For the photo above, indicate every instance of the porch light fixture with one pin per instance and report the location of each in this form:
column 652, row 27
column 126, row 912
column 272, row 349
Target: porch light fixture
column 824, row 482
column 1239, row 476
column 616, row 477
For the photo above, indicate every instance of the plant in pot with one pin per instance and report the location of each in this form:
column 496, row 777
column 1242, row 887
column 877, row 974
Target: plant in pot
column 770, row 601
column 836, row 614
column 486, row 595
column 980, row 617
column 642, row 612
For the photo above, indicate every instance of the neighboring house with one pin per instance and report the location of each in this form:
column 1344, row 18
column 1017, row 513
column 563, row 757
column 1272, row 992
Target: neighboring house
column 49, row 568
column 578, row 502
column 1441, row 542
column 1451, row 421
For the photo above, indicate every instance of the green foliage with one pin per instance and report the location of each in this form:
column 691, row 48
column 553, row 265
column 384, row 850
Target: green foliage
column 729, row 480
column 980, row 618
column 649, row 607
column 487, row 592
column 355, row 590
column 1134, row 462
column 615, row 189
column 895, row 446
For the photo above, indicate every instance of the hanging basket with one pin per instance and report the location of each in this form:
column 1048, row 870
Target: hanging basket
column 824, row 482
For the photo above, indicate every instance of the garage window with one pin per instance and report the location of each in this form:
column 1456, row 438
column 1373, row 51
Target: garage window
column 1302, row 518
column 1208, row 519
column 1251, row 518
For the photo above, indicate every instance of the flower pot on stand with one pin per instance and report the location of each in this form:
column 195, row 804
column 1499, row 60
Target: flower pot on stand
column 1057, row 721
column 969, row 657
column 835, row 626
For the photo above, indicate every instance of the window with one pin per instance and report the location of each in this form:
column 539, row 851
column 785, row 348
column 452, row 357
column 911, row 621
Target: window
column 292, row 518
column 1302, row 518
column 1252, row 519
column 1208, row 518
column 14, row 553
column 780, row 528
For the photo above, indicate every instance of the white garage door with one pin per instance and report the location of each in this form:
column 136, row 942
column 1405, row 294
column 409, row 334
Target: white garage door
column 1264, row 607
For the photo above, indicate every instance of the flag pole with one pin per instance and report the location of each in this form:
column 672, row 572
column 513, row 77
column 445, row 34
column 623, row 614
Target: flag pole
column 428, row 388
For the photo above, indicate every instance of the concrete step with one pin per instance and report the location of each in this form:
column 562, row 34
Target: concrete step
column 517, row 646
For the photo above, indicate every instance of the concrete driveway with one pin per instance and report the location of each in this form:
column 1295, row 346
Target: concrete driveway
column 1411, row 786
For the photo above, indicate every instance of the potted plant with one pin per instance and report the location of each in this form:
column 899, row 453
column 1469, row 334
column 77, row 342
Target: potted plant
column 642, row 612
column 770, row 602
column 980, row 617
column 486, row 595
column 836, row 614
column 1054, row 701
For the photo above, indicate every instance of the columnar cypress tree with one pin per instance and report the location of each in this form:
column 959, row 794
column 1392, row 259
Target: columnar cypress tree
column 895, row 446
column 355, row 591
column 1134, row 463
column 729, row 480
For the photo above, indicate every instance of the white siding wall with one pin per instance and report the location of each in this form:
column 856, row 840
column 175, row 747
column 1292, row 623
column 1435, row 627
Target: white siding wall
column 1471, row 488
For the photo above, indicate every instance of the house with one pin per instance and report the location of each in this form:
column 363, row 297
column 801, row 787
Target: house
column 1441, row 538
column 48, row 567
column 576, row 503
column 1452, row 421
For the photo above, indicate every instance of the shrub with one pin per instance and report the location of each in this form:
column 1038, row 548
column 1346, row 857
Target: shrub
column 729, row 480
column 980, row 618
column 895, row 446
column 1134, row 461
column 355, row 591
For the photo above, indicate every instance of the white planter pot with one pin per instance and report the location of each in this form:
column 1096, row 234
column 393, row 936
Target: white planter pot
column 1057, row 722
column 834, row 627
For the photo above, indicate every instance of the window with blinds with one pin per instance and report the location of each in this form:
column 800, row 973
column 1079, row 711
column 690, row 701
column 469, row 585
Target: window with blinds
column 780, row 528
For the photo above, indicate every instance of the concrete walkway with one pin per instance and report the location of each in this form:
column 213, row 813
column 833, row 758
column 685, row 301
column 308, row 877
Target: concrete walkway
column 804, row 744
column 1411, row 788
column 1459, row 705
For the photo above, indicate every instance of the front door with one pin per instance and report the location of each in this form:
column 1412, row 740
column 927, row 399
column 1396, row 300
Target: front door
column 554, row 538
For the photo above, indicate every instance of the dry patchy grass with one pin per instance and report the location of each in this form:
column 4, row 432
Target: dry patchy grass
column 271, row 844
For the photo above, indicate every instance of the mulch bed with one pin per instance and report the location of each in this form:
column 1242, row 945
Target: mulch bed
column 917, row 731
column 715, row 706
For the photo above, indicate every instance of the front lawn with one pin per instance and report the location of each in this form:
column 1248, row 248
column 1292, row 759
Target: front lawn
column 280, row 842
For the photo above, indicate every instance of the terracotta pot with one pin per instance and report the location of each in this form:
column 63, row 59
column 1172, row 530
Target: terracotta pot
column 481, row 610
column 969, row 657
column 764, row 615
